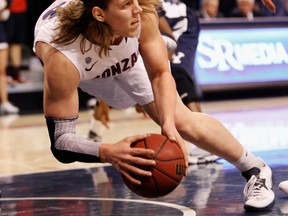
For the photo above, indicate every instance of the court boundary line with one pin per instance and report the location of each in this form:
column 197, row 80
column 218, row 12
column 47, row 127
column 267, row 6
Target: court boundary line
column 185, row 210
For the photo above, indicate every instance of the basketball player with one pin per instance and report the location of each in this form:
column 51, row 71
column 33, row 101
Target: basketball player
column 113, row 50
column 181, row 44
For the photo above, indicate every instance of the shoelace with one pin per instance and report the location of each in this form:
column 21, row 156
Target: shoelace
column 253, row 187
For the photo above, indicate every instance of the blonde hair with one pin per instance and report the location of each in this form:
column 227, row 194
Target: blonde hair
column 76, row 18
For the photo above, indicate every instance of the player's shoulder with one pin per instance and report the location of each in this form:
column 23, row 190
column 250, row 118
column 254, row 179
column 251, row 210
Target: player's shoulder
column 149, row 26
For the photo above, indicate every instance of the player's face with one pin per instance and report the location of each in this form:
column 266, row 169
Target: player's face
column 124, row 17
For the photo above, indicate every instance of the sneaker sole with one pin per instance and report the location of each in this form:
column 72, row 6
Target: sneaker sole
column 284, row 186
column 266, row 208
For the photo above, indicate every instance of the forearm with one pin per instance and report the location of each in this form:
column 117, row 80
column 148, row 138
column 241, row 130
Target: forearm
column 154, row 52
column 164, row 90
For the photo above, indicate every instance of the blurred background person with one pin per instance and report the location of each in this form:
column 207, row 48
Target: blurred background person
column 281, row 5
column 5, row 106
column 246, row 8
column 209, row 9
column 16, row 29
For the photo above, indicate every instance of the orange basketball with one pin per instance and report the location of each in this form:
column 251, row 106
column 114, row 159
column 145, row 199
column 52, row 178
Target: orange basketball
column 169, row 169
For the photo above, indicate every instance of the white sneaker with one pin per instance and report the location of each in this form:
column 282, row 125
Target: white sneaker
column 258, row 192
column 91, row 103
column 199, row 156
column 284, row 186
column 7, row 120
column 283, row 206
column 7, row 108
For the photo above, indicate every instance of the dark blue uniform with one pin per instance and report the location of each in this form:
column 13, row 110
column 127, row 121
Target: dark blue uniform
column 3, row 37
column 185, row 25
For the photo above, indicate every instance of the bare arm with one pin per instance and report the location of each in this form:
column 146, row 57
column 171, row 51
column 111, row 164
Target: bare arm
column 270, row 5
column 164, row 26
column 60, row 83
column 154, row 53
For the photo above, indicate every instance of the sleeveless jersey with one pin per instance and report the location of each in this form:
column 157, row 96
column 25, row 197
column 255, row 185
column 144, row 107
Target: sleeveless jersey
column 120, row 79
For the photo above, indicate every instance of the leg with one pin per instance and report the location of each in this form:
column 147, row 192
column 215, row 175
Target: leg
column 5, row 106
column 212, row 136
column 16, row 55
column 209, row 134
column 3, row 63
column 99, row 117
column 194, row 106
column 204, row 131
column 16, row 61
column 16, row 33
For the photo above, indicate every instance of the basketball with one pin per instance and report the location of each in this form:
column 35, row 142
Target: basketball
column 169, row 169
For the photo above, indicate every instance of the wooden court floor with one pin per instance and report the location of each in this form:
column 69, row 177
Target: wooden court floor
column 32, row 182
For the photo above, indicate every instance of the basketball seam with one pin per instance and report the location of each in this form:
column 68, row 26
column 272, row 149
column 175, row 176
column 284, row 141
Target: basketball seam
column 156, row 186
column 169, row 159
column 161, row 146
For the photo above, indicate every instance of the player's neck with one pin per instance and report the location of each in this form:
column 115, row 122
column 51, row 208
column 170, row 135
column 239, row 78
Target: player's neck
column 116, row 40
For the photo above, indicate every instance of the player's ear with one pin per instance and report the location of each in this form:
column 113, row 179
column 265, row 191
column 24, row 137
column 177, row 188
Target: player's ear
column 98, row 14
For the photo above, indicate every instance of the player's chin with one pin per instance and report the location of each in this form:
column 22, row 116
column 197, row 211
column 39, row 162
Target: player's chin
column 132, row 34
column 134, row 30
column 130, row 31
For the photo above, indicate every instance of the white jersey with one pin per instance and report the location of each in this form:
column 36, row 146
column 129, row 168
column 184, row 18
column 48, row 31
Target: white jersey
column 103, row 77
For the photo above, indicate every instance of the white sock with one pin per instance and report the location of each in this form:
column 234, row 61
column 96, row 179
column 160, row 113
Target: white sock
column 97, row 127
column 247, row 161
